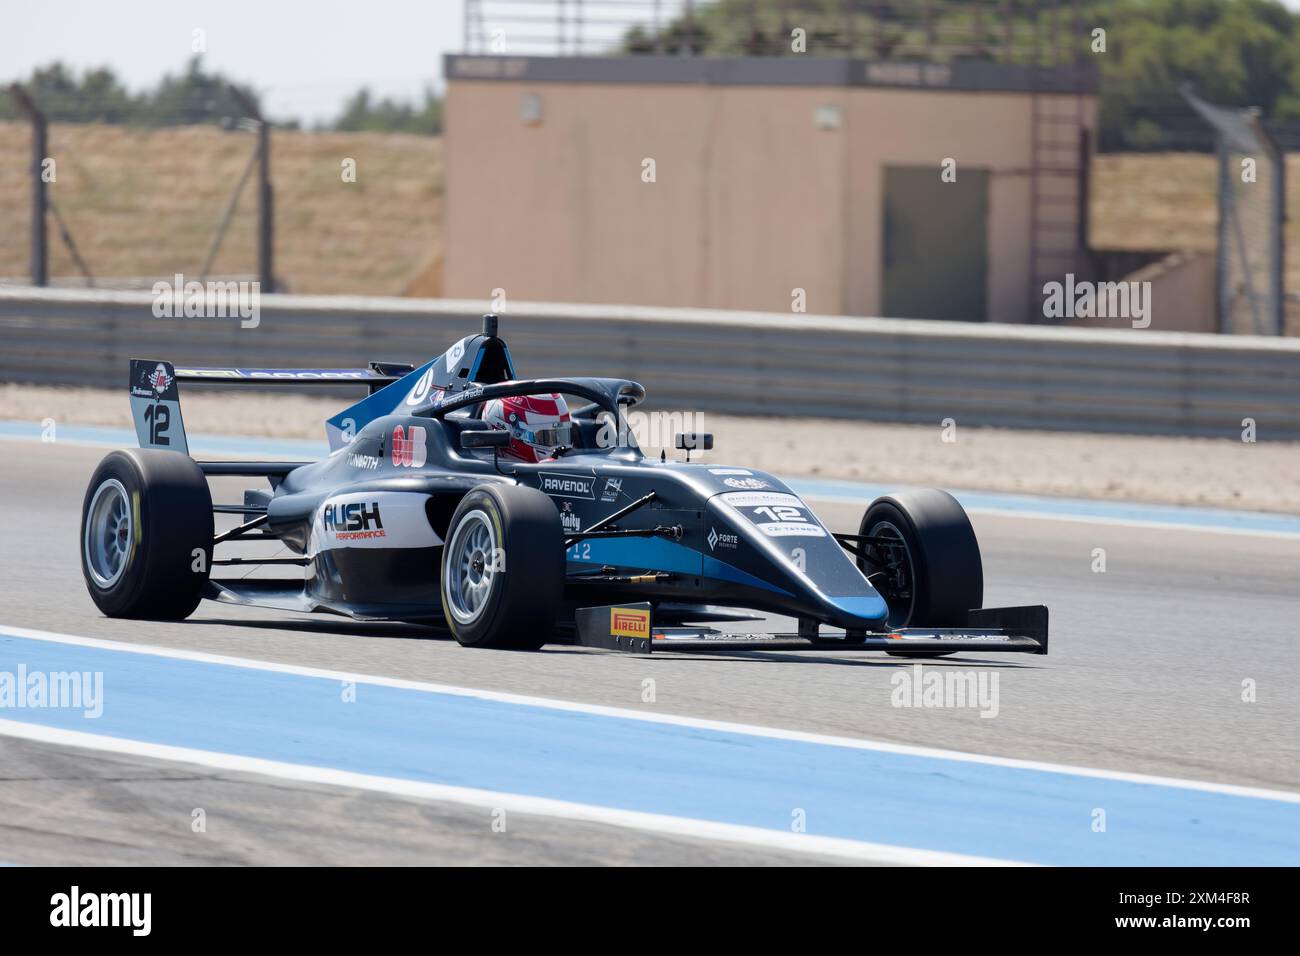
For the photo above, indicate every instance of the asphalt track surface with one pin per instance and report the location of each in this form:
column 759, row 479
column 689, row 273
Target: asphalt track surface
column 1145, row 676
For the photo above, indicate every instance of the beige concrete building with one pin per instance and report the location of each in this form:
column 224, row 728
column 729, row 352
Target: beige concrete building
column 735, row 183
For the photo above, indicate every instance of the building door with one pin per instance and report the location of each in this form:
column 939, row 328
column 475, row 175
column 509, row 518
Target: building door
column 935, row 242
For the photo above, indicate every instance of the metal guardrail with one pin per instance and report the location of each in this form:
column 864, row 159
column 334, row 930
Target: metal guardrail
column 704, row 360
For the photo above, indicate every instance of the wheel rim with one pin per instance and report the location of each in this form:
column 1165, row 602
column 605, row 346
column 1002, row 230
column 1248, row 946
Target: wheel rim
column 470, row 567
column 110, row 530
column 895, row 578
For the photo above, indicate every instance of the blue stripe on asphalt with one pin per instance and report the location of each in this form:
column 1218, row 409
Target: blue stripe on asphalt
column 1076, row 508
column 925, row 802
column 292, row 449
column 848, row 491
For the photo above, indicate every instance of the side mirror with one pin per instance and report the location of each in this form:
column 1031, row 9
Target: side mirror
column 495, row 438
column 693, row 441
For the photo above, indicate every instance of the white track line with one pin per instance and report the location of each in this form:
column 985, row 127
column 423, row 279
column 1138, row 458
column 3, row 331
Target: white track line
column 698, row 723
column 511, row 802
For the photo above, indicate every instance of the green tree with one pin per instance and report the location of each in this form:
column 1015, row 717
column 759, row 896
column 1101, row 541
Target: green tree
column 362, row 113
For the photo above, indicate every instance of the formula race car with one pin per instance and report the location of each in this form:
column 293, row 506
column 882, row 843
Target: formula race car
column 416, row 515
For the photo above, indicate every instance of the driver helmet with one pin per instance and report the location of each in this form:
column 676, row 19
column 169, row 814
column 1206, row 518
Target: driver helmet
column 538, row 425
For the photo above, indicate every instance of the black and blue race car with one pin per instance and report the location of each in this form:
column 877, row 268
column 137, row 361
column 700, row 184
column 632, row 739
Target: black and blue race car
column 416, row 516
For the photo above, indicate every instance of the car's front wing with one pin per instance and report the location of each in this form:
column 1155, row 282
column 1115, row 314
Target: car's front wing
column 631, row 628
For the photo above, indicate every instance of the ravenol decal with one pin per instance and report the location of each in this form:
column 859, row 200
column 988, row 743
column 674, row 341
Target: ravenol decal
column 629, row 622
column 409, row 448
column 568, row 486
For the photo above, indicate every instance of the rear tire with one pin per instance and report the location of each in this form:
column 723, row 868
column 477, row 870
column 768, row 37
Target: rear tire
column 502, row 575
column 146, row 535
column 934, row 575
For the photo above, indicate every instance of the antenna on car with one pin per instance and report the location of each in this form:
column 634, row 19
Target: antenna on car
column 490, row 325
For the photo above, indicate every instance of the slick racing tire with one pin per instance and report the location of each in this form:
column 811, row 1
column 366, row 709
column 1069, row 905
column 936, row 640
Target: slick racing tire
column 146, row 535
column 927, row 564
column 502, row 573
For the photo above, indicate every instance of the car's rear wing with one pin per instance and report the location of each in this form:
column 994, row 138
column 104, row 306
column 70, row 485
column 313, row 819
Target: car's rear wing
column 374, row 376
column 155, row 398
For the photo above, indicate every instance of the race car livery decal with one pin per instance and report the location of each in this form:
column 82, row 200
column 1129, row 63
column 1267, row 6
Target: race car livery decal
column 613, row 488
column 353, row 521
column 569, row 520
column 740, row 499
column 792, row 530
column 454, row 355
column 629, row 622
column 410, row 446
column 372, row 519
column 568, row 486
column 722, row 539
column 746, row 483
column 419, row 392
column 776, row 514
column 285, row 374
column 156, row 406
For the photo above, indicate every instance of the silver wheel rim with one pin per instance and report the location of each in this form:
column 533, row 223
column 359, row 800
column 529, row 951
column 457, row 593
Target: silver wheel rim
column 470, row 567
column 110, row 529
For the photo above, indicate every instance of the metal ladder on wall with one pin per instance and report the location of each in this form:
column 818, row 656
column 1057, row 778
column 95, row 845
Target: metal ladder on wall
column 1057, row 217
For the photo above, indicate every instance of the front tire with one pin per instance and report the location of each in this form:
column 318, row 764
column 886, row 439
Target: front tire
column 502, row 574
column 926, row 563
column 146, row 535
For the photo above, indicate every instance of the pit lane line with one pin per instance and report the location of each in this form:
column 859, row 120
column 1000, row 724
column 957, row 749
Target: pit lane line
column 662, row 773
column 1084, row 510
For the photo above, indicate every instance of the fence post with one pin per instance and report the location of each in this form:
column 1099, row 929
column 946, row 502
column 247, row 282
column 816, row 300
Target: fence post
column 265, row 194
column 40, row 245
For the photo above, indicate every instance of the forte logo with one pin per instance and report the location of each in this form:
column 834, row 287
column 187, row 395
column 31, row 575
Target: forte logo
column 76, row 908
column 354, row 520
column 629, row 622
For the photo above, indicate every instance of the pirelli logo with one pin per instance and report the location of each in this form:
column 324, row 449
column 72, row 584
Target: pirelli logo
column 629, row 622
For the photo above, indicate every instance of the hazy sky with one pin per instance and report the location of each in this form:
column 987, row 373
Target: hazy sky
column 304, row 56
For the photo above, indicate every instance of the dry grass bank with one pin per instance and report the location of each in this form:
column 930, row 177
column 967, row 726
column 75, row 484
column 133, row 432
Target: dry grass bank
column 144, row 202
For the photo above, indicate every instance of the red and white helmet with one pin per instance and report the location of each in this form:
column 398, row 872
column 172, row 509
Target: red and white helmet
column 538, row 424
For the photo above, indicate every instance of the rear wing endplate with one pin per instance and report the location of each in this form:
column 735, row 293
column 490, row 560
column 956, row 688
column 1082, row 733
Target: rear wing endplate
column 156, row 403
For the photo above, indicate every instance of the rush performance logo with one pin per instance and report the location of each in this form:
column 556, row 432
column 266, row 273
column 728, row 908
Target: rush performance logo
column 409, row 449
column 629, row 622
column 348, row 522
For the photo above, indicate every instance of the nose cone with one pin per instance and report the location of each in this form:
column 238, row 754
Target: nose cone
column 871, row 608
